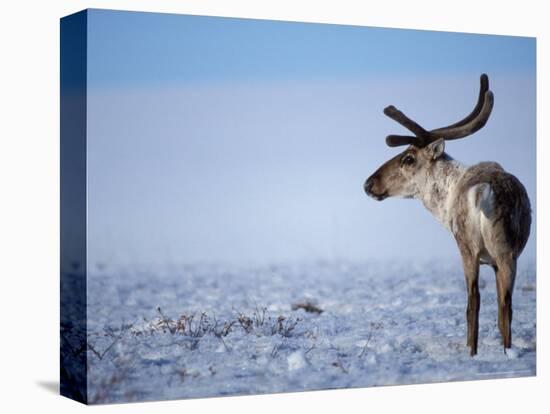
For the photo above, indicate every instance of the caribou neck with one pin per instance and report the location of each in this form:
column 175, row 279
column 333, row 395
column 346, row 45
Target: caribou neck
column 440, row 188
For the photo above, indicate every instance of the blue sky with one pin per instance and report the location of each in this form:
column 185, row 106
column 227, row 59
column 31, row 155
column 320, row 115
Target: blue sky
column 215, row 139
column 135, row 49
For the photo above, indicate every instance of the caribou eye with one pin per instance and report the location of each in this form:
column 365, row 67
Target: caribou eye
column 408, row 160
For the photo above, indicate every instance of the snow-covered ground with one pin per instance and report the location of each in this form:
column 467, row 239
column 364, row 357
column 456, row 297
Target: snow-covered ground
column 205, row 330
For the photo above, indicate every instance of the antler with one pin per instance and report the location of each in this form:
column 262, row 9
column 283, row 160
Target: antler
column 467, row 126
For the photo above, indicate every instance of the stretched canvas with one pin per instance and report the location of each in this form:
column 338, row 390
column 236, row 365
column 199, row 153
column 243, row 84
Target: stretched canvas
column 222, row 224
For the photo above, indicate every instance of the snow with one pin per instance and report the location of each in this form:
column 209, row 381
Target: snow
column 202, row 330
column 296, row 361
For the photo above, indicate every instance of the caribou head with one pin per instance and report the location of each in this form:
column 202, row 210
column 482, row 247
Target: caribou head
column 405, row 174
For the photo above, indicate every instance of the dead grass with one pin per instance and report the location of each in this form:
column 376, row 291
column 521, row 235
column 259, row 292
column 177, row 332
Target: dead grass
column 192, row 327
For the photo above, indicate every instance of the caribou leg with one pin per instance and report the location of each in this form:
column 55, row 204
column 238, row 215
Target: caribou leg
column 471, row 273
column 505, row 275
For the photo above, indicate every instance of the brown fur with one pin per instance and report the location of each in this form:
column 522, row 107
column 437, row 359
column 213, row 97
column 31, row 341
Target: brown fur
column 512, row 215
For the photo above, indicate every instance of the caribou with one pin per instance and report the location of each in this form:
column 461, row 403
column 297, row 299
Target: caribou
column 486, row 209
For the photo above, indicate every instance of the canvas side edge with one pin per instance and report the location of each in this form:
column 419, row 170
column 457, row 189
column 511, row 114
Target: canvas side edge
column 73, row 189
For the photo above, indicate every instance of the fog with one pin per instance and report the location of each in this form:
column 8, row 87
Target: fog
column 267, row 165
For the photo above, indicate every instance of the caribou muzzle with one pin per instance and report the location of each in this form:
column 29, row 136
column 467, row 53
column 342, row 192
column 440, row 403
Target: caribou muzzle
column 371, row 189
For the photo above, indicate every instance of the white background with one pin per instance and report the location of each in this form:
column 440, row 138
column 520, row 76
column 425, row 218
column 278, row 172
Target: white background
column 29, row 202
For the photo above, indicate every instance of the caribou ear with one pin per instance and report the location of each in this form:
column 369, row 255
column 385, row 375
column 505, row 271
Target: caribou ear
column 436, row 148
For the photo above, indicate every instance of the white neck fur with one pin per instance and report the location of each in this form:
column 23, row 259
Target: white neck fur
column 439, row 188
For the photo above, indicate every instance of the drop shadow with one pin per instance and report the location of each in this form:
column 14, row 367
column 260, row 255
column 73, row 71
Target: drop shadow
column 50, row 386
